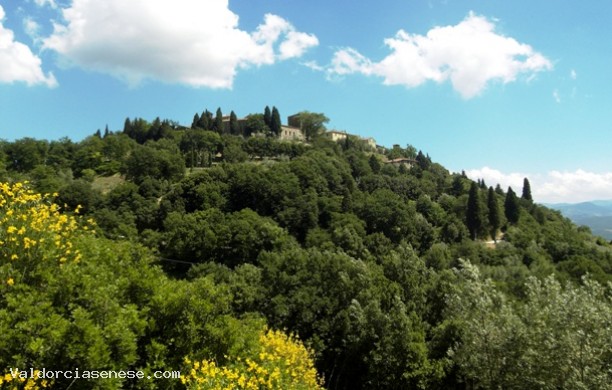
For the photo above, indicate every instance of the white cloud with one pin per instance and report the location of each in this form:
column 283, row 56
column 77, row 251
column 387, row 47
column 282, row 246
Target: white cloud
column 19, row 64
column 347, row 61
column 554, row 186
column 191, row 42
column 296, row 44
column 493, row 177
column 556, row 96
column 314, row 65
column 469, row 54
column 31, row 27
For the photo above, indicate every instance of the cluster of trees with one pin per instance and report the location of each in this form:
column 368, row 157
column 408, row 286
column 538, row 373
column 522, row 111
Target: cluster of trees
column 383, row 271
column 484, row 217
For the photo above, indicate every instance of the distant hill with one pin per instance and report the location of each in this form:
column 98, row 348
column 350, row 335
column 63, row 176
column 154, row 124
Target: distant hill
column 595, row 214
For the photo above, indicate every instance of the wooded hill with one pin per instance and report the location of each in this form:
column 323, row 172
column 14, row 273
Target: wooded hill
column 203, row 238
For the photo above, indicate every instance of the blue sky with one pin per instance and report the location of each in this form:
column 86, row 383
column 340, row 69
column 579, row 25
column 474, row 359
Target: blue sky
column 500, row 89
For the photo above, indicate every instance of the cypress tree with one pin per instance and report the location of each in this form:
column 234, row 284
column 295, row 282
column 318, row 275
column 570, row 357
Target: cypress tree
column 206, row 120
column 127, row 126
column 474, row 214
column 526, row 191
column 196, row 121
column 499, row 190
column 423, row 161
column 511, row 206
column 494, row 217
column 218, row 123
column 233, row 124
column 275, row 123
column 267, row 117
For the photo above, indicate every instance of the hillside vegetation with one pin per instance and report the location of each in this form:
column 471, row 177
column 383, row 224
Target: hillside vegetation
column 217, row 249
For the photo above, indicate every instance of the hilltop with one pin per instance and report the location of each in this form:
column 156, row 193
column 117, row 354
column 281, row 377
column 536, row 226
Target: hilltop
column 377, row 258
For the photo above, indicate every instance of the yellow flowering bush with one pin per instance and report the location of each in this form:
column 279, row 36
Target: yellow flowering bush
column 282, row 362
column 32, row 231
column 9, row 382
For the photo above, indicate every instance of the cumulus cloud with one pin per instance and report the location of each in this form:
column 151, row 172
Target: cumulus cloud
column 191, row 42
column 554, row 186
column 19, row 64
column 469, row 55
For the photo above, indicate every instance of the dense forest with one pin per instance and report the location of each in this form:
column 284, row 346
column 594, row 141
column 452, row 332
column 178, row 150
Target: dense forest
column 246, row 261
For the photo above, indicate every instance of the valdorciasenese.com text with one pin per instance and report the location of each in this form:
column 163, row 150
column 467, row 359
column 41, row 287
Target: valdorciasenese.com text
column 32, row 373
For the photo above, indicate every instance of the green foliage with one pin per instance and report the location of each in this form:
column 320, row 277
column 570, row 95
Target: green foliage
column 312, row 124
column 512, row 207
column 526, row 191
column 361, row 260
column 557, row 338
column 494, row 216
column 475, row 214
column 161, row 163
column 275, row 122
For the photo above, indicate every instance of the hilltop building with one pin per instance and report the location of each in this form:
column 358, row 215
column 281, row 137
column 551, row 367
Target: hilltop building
column 407, row 162
column 337, row 135
column 290, row 133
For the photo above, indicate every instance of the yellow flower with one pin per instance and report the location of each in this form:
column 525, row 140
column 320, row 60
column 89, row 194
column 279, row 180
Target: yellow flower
column 10, row 281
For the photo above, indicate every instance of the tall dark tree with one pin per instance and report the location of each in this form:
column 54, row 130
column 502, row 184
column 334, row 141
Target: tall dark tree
column 196, row 121
column 526, row 191
column 511, row 206
column 127, row 126
column 267, row 117
column 423, row 161
column 499, row 190
column 474, row 213
column 218, row 123
column 234, row 127
column 275, row 122
column 494, row 216
column 206, row 120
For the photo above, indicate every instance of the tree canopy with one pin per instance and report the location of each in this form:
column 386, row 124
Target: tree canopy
column 242, row 260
